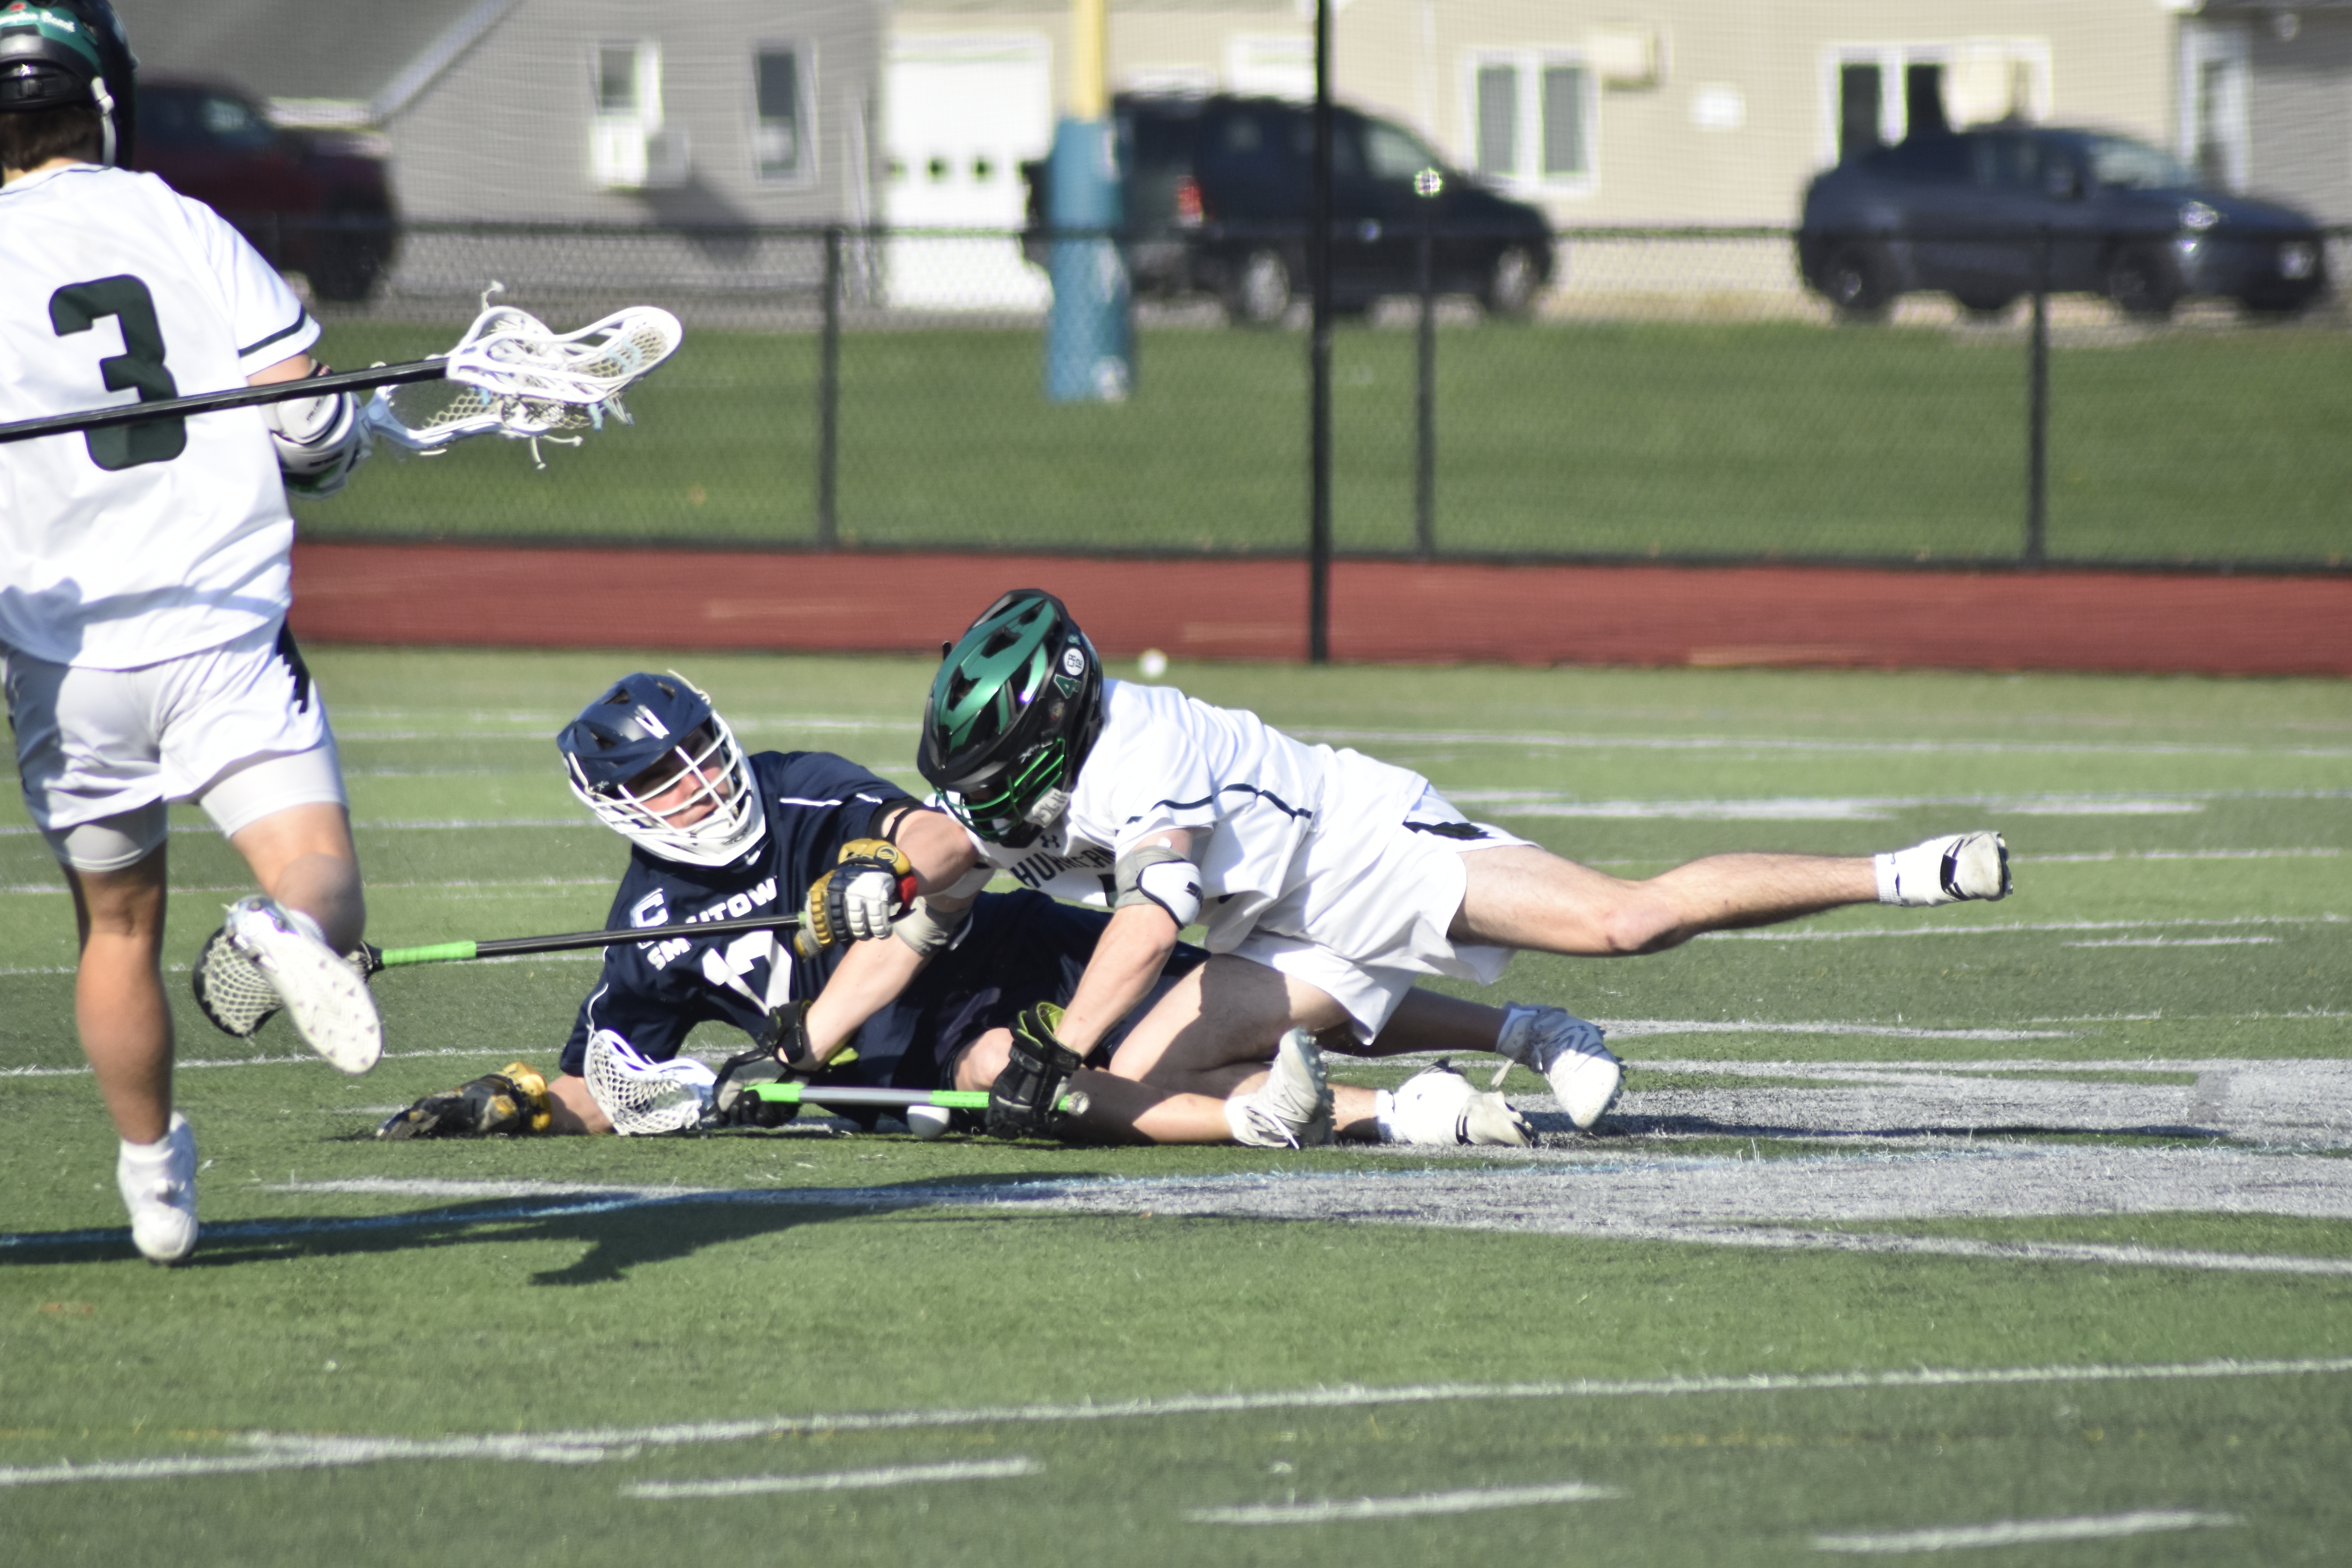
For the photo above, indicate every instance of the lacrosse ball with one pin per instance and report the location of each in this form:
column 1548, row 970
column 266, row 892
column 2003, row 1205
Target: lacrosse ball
column 927, row 1122
column 1152, row 665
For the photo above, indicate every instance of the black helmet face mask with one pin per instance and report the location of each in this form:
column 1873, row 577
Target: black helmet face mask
column 1013, row 714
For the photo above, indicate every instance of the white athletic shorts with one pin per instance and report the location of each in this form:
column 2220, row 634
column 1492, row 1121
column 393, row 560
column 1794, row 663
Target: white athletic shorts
column 103, row 752
column 1379, row 892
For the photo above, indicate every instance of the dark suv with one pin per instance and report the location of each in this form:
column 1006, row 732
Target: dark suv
column 1216, row 196
column 314, row 202
column 1964, row 213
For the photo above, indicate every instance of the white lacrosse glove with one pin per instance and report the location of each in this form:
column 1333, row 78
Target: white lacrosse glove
column 319, row 440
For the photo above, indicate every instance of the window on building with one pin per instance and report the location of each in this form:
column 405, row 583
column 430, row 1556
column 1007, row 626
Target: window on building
column 630, row 146
column 1882, row 94
column 1532, row 118
column 779, row 129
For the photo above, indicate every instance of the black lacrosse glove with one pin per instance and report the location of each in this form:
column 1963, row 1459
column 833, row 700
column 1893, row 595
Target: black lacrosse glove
column 782, row 1055
column 858, row 899
column 514, row 1100
column 1024, row 1100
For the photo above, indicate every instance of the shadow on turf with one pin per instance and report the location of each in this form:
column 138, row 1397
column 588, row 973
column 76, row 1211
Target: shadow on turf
column 1623, row 1126
column 620, row 1231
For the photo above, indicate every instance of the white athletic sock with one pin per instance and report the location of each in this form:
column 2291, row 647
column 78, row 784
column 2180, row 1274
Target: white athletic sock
column 1883, row 865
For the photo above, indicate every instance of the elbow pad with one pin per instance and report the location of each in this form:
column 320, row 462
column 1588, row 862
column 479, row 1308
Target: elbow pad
column 1155, row 874
column 319, row 440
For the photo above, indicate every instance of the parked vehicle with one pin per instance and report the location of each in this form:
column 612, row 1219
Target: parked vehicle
column 1965, row 214
column 1216, row 199
column 317, row 203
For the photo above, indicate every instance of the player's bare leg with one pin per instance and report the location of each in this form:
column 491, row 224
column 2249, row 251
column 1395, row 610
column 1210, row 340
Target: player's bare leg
column 118, row 1005
column 1118, row 1110
column 1527, row 897
column 303, row 857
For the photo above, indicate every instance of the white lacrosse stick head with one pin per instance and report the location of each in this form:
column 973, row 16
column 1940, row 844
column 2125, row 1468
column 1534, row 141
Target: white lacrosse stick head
column 513, row 375
column 640, row 1097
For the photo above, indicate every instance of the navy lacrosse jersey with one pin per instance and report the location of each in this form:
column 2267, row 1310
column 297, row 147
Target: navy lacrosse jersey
column 652, row 993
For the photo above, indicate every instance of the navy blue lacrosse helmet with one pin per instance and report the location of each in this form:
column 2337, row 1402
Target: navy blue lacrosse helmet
column 59, row 52
column 655, row 762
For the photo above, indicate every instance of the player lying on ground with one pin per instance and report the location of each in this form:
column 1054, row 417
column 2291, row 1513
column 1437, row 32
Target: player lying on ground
column 143, row 601
column 937, row 987
column 1328, row 881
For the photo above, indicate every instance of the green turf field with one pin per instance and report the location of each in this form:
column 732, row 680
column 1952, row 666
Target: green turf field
column 1917, row 1230
column 1726, row 440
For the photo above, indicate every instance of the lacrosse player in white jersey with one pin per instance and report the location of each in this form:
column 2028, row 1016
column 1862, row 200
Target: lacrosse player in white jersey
column 1326, row 881
column 143, row 599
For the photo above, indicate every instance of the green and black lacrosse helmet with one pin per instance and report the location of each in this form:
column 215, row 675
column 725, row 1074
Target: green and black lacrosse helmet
column 59, row 52
column 1013, row 711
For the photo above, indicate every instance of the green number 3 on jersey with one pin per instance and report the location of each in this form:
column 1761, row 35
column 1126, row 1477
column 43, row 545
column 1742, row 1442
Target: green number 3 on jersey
column 75, row 308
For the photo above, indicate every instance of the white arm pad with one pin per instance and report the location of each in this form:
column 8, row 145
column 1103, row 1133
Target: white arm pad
column 319, row 440
column 924, row 931
column 1155, row 874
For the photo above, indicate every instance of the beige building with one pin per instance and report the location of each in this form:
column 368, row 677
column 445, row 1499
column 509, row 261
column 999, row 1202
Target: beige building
column 1659, row 111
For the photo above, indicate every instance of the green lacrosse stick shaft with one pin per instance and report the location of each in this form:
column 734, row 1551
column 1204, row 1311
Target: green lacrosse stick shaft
column 853, row 1094
column 516, row 946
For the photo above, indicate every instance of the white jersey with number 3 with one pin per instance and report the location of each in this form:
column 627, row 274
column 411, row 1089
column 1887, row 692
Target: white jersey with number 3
column 123, row 547
column 1252, row 795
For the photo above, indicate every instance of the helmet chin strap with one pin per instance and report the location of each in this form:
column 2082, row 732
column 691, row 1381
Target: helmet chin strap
column 105, row 120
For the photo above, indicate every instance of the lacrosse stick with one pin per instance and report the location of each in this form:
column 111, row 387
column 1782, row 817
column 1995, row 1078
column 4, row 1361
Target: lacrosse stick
column 515, row 376
column 518, row 378
column 238, row 999
column 792, row 1093
column 640, row 1097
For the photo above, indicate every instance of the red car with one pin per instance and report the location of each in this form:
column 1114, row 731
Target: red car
column 317, row 203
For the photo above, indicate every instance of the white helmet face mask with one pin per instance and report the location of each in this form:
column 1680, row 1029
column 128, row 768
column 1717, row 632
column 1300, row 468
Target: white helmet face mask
column 713, row 821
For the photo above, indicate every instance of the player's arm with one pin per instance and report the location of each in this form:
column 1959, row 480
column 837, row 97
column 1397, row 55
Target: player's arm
column 915, row 879
column 319, row 440
column 1158, row 894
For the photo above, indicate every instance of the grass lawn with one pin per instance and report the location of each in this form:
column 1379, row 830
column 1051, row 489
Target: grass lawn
column 1876, row 1254
column 1733, row 440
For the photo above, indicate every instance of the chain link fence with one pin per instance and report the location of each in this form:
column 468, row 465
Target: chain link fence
column 1671, row 394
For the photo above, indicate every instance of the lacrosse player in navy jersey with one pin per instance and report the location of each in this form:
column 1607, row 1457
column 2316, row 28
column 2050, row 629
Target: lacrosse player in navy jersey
column 144, row 583
column 912, row 980
column 1328, row 881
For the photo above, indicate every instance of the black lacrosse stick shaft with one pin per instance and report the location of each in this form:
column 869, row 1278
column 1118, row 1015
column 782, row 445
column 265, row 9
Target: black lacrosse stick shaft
column 233, row 397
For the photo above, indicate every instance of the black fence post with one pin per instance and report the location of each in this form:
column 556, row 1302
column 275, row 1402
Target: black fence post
column 1318, row 359
column 2037, row 409
column 828, row 396
column 1424, row 401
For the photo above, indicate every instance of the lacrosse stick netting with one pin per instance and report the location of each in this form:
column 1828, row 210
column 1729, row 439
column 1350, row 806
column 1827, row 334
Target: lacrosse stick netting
column 640, row 1097
column 513, row 375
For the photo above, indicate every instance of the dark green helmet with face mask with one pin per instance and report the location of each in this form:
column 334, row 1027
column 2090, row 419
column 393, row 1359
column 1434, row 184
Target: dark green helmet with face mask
column 1013, row 711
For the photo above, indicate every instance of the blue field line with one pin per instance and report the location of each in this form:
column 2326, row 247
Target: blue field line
column 589, row 1199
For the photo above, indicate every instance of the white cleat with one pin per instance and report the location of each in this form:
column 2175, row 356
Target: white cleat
column 1438, row 1105
column 1292, row 1110
column 158, row 1182
column 1945, row 870
column 1585, row 1078
column 324, row 997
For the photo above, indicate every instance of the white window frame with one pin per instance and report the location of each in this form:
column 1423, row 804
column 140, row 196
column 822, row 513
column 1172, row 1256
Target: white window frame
column 2231, row 45
column 1891, row 59
column 637, row 149
column 804, row 65
column 1528, row 65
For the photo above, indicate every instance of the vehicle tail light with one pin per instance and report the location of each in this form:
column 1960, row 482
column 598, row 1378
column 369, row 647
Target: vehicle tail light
column 1190, row 212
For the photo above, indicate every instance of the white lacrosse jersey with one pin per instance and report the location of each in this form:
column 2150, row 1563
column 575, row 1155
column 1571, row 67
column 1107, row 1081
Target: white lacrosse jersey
column 1252, row 795
column 130, row 545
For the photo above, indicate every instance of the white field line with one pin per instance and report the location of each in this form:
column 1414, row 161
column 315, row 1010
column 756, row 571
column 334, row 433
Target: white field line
column 302, row 1059
column 1402, row 1507
column 1783, row 933
column 59, row 888
column 2025, row 1532
column 1637, row 1028
column 837, row 1480
column 537, row 728
column 1828, row 808
column 288, row 1451
column 1805, row 744
column 2179, row 941
column 2104, row 855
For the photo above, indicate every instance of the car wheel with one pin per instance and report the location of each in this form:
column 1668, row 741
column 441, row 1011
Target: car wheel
column 345, row 264
column 1259, row 295
column 1854, row 281
column 1985, row 308
column 2143, row 284
column 1512, row 284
